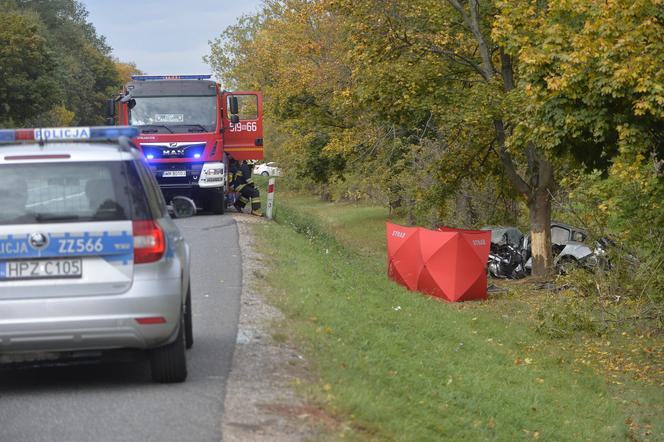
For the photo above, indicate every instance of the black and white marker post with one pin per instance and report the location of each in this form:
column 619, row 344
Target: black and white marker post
column 270, row 198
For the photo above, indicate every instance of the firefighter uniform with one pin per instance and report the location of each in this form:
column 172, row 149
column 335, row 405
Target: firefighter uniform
column 233, row 167
column 248, row 193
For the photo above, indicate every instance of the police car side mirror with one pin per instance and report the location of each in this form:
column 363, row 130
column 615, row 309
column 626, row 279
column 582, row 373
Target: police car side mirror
column 182, row 207
column 131, row 103
column 235, row 119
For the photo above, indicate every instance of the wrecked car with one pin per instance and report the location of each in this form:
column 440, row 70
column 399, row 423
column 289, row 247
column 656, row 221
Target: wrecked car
column 510, row 255
column 506, row 255
column 569, row 249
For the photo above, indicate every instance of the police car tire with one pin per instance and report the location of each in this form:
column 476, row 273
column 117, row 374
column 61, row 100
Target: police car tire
column 188, row 322
column 169, row 363
column 265, row 173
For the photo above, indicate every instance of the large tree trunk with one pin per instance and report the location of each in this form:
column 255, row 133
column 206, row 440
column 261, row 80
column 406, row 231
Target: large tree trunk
column 539, row 206
column 537, row 193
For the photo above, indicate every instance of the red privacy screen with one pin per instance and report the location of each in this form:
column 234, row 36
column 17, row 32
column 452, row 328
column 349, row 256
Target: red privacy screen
column 445, row 263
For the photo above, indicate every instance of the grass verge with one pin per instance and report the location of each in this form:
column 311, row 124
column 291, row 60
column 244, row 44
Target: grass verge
column 394, row 365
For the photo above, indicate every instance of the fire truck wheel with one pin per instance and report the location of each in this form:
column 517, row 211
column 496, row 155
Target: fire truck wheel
column 217, row 202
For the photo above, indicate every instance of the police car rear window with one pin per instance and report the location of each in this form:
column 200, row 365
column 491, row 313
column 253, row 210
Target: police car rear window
column 68, row 192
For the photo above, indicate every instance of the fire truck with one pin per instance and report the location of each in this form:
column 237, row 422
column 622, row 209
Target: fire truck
column 189, row 127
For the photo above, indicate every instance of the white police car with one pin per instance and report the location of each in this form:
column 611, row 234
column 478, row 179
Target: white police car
column 90, row 259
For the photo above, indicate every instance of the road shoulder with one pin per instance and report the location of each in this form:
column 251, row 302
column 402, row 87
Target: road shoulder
column 260, row 404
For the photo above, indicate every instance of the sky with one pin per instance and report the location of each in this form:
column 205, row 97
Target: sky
column 165, row 36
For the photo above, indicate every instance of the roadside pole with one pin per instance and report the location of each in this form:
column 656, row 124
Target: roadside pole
column 270, row 198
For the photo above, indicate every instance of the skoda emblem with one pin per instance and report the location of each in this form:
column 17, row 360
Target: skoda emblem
column 38, row 240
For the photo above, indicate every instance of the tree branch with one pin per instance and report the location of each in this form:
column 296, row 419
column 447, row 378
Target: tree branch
column 518, row 182
column 456, row 58
column 473, row 22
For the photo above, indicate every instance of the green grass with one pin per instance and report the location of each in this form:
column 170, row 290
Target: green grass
column 395, row 365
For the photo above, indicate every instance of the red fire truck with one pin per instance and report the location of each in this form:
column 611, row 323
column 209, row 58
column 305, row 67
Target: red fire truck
column 189, row 127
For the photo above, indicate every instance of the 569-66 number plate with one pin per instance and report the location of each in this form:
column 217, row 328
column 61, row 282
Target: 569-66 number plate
column 41, row 269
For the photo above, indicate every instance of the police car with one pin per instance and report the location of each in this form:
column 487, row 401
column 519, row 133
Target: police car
column 90, row 259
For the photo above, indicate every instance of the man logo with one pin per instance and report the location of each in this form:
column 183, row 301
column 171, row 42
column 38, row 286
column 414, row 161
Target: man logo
column 38, row 240
column 173, row 144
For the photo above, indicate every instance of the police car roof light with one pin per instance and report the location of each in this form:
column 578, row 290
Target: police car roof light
column 170, row 77
column 68, row 134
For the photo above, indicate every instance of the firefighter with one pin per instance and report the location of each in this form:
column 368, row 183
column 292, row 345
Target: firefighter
column 247, row 191
column 233, row 167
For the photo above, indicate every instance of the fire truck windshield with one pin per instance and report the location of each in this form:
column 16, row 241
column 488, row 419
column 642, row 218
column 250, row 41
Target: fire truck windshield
column 174, row 114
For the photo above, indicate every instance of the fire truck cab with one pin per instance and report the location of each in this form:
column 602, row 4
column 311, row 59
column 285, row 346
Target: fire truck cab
column 189, row 127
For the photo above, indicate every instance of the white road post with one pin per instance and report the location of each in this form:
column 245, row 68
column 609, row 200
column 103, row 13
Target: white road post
column 270, row 198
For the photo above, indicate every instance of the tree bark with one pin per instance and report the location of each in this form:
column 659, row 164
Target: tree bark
column 539, row 206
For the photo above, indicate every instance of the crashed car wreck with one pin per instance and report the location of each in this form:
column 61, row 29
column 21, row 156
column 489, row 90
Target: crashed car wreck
column 507, row 257
column 511, row 256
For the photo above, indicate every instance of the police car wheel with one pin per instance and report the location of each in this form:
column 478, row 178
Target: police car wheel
column 169, row 363
column 266, row 173
column 188, row 322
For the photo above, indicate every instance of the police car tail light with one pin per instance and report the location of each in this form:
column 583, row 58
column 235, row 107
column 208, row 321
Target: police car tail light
column 149, row 244
column 150, row 320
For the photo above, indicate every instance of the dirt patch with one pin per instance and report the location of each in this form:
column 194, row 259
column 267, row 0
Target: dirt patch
column 260, row 403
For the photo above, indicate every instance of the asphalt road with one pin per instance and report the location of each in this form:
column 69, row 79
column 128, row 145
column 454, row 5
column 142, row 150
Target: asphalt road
column 117, row 401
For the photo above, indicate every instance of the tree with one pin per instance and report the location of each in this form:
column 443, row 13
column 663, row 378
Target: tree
column 126, row 70
column 80, row 70
column 26, row 85
column 291, row 53
column 490, row 92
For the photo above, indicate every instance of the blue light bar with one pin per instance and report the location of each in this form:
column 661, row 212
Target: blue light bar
column 7, row 135
column 113, row 132
column 49, row 134
column 170, row 77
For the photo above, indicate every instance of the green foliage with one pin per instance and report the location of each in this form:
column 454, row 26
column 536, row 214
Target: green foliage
column 591, row 74
column 26, row 84
column 54, row 68
column 397, row 101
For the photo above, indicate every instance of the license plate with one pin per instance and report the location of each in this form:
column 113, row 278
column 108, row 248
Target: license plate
column 174, row 173
column 41, row 269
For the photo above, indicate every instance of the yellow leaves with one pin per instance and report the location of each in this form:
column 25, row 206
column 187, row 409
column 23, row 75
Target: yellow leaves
column 534, row 434
column 524, row 361
column 62, row 116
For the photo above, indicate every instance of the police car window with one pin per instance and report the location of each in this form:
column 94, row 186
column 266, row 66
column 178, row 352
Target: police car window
column 63, row 192
column 155, row 197
column 137, row 195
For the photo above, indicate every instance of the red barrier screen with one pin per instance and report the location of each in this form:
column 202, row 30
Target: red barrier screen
column 446, row 263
